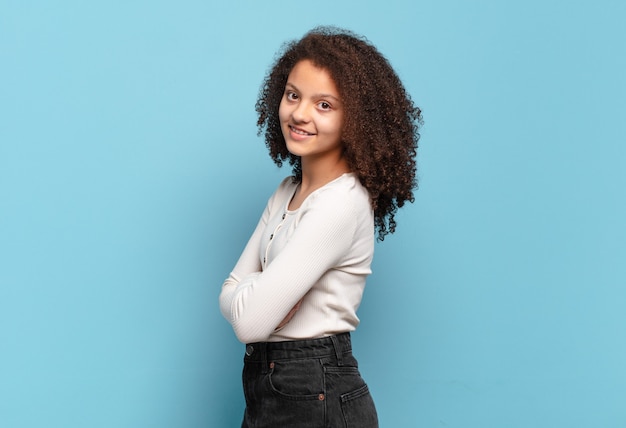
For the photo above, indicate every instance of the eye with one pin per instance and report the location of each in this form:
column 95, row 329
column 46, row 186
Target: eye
column 291, row 96
column 323, row 105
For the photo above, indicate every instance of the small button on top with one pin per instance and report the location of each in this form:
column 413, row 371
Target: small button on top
column 249, row 350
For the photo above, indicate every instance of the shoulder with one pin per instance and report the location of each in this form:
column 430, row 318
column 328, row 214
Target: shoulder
column 344, row 200
column 343, row 206
column 283, row 192
column 346, row 190
column 287, row 184
column 286, row 188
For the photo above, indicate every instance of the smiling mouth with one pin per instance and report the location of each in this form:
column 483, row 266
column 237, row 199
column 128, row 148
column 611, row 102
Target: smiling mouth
column 299, row 131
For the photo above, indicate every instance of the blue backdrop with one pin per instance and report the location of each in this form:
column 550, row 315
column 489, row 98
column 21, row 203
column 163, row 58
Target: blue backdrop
column 131, row 176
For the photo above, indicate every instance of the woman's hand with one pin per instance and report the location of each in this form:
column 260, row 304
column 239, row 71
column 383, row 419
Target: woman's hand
column 290, row 315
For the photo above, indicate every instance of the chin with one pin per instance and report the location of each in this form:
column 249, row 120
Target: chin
column 293, row 150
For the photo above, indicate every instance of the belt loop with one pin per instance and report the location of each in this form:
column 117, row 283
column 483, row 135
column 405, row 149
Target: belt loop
column 338, row 350
column 263, row 351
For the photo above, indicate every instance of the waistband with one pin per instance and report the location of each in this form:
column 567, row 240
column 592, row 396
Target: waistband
column 336, row 345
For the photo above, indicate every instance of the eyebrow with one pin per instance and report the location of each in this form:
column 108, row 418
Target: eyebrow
column 315, row 95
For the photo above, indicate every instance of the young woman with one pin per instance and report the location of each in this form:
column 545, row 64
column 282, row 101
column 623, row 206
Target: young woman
column 333, row 108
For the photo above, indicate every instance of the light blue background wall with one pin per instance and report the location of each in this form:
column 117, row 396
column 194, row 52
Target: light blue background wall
column 131, row 176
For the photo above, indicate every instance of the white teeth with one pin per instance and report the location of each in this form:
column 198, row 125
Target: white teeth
column 299, row 131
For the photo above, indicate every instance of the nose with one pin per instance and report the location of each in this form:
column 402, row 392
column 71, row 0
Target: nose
column 301, row 113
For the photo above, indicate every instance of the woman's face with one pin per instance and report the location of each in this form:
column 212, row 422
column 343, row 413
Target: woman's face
column 311, row 113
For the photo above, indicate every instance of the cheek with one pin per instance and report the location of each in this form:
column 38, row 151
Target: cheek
column 332, row 126
column 283, row 114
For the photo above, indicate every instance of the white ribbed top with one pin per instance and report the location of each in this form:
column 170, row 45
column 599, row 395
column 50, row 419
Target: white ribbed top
column 322, row 251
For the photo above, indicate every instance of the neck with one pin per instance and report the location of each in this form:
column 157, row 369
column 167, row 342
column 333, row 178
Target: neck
column 315, row 175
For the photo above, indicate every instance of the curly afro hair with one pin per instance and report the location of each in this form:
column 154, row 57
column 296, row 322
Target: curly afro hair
column 380, row 132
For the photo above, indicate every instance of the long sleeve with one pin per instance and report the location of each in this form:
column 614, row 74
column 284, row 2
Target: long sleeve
column 249, row 263
column 316, row 239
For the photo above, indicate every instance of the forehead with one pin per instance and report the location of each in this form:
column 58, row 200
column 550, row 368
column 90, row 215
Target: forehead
column 308, row 77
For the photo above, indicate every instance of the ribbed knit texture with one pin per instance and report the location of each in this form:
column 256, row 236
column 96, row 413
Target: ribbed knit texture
column 322, row 251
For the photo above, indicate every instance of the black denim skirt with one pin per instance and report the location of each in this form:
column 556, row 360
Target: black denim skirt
column 311, row 383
